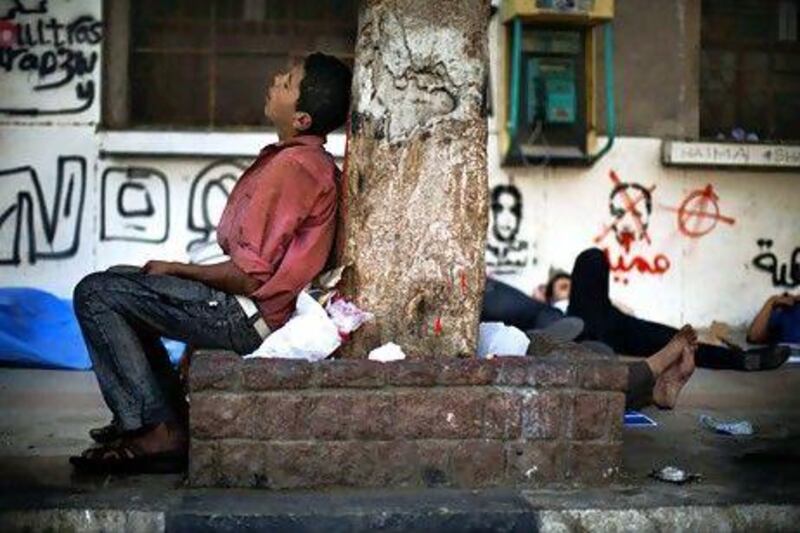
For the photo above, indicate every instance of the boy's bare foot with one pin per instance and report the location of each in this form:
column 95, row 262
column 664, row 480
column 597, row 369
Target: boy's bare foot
column 670, row 383
column 164, row 437
column 671, row 353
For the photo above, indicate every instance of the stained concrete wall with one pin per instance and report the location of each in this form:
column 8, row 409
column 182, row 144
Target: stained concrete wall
column 656, row 68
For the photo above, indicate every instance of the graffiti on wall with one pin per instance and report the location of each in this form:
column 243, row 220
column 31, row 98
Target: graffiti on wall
column 782, row 274
column 506, row 252
column 36, row 226
column 207, row 197
column 699, row 213
column 47, row 54
column 11, row 8
column 41, row 215
column 630, row 207
column 134, row 205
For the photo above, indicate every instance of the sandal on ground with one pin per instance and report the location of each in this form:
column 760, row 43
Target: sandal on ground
column 123, row 457
column 105, row 434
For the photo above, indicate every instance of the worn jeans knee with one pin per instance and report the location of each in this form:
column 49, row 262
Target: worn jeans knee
column 87, row 291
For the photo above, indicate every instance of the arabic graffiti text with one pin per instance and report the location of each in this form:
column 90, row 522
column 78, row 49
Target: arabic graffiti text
column 786, row 274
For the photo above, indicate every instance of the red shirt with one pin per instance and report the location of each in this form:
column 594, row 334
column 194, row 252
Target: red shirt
column 278, row 225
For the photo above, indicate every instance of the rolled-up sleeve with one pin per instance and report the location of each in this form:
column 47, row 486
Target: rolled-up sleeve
column 281, row 199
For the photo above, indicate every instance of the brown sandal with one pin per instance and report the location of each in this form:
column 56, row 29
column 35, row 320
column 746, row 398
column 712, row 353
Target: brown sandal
column 123, row 457
column 105, row 434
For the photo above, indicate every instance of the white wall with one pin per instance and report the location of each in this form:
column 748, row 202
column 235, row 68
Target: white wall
column 709, row 276
column 65, row 211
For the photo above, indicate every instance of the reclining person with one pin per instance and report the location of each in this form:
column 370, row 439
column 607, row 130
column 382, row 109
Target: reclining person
column 658, row 380
column 277, row 230
column 777, row 322
column 625, row 334
column 556, row 292
column 504, row 303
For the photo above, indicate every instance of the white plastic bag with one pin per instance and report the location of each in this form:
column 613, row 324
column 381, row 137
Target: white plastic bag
column 309, row 334
column 495, row 338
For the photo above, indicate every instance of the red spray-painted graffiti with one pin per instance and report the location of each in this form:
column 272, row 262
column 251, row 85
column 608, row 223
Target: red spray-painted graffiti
column 459, row 275
column 699, row 213
column 631, row 207
column 629, row 222
column 659, row 264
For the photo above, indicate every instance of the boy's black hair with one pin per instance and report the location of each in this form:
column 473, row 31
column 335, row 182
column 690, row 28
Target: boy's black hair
column 325, row 93
column 551, row 285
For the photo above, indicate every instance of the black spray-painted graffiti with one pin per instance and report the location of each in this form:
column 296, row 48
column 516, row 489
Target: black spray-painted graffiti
column 506, row 253
column 207, row 197
column 49, row 54
column 26, row 213
column 134, row 205
column 783, row 275
column 11, row 8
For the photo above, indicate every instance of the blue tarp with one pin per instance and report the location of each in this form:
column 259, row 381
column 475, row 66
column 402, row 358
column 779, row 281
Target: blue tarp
column 38, row 329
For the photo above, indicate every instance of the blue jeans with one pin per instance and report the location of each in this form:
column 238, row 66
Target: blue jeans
column 123, row 313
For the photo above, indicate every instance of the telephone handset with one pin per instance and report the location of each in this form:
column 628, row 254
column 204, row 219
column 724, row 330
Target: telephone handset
column 551, row 92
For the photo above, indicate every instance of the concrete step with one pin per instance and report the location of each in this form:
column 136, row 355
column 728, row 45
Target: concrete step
column 198, row 510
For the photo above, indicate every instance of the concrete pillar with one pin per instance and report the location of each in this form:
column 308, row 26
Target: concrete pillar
column 416, row 183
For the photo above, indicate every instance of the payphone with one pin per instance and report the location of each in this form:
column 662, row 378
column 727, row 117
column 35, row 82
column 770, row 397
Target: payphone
column 550, row 80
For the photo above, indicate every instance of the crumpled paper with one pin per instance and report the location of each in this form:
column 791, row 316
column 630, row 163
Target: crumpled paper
column 731, row 427
column 386, row 353
column 346, row 315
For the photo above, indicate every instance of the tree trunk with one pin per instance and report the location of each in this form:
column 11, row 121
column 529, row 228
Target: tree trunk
column 415, row 192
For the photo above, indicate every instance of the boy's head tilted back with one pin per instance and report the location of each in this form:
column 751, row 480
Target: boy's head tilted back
column 309, row 98
column 324, row 93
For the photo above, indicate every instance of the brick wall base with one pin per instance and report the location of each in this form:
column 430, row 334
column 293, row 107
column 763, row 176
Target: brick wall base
column 514, row 421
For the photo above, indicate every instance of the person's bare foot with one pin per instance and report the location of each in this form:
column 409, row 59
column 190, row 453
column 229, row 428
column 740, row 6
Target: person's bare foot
column 164, row 437
column 670, row 383
column 671, row 353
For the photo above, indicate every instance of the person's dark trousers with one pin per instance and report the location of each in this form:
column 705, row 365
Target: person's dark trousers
column 504, row 303
column 123, row 313
column 640, row 386
column 627, row 335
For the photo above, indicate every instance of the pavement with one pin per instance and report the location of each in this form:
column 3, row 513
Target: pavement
column 748, row 483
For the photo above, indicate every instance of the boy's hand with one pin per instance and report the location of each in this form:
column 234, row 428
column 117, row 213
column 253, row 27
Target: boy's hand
column 164, row 268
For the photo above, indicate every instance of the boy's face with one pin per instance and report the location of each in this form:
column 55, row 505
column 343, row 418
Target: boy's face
column 280, row 105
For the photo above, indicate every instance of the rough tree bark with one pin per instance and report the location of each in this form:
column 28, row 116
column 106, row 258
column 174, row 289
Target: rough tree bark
column 416, row 184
